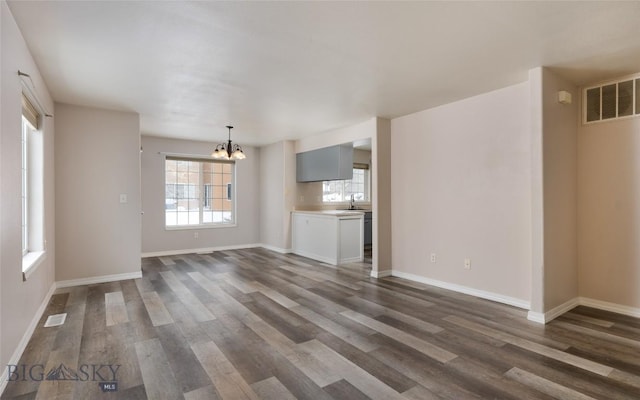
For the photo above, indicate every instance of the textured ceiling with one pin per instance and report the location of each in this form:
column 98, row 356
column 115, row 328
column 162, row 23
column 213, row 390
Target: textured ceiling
column 283, row 70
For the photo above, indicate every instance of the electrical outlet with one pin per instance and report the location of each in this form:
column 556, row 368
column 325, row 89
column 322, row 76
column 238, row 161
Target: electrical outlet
column 467, row 263
column 301, row 199
column 433, row 257
column 195, row 235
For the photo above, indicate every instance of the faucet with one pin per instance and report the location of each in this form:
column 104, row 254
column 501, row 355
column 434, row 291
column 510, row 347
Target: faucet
column 351, row 206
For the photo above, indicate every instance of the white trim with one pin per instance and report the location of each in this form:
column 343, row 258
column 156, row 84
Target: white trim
column 352, row 259
column 98, row 279
column 512, row 301
column 536, row 317
column 201, row 250
column 380, row 274
column 276, row 249
column 326, row 260
column 555, row 312
column 606, row 306
column 17, row 354
column 30, row 263
column 543, row 318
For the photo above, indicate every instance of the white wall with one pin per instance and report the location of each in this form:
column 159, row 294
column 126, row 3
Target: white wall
column 156, row 239
column 381, row 198
column 352, row 133
column 97, row 159
column 609, row 211
column 277, row 194
column 272, row 195
column 460, row 188
column 560, row 124
column 19, row 301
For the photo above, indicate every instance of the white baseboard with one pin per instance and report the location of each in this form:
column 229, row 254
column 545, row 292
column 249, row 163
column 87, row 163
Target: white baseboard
column 534, row 316
column 98, row 279
column 316, row 257
column 613, row 307
column 17, row 354
column 555, row 312
column 380, row 274
column 512, row 301
column 198, row 250
column 543, row 318
column 274, row 248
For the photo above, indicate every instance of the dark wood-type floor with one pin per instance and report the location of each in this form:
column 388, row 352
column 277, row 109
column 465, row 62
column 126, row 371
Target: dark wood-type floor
column 260, row 325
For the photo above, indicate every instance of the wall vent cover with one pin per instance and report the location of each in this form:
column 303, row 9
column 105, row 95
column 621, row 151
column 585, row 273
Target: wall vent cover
column 612, row 100
column 55, row 320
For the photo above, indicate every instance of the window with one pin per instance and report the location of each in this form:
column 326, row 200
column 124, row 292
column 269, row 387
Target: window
column 341, row 191
column 32, row 194
column 198, row 192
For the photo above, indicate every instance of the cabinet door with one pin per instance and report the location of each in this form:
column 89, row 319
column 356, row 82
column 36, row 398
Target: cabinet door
column 326, row 164
column 368, row 229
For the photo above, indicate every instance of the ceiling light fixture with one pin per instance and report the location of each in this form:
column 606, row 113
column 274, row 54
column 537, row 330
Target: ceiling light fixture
column 228, row 151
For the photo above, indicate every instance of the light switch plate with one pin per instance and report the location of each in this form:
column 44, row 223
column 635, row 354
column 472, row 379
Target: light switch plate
column 123, row 198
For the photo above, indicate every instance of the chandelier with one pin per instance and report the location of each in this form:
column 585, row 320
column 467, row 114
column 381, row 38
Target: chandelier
column 228, row 151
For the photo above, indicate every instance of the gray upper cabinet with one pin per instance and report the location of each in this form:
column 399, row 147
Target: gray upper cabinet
column 326, row 164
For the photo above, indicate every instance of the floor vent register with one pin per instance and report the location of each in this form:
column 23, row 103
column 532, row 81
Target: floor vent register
column 55, row 320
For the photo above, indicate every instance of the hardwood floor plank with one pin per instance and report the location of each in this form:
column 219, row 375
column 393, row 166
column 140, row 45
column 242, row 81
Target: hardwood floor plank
column 392, row 378
column 633, row 344
column 204, row 393
column 583, row 318
column 545, row 386
column 543, row 350
column 356, row 376
column 344, row 390
column 284, row 301
column 425, row 348
column 364, row 343
column 167, row 261
column 271, row 388
column 156, row 309
column 186, row 368
column 382, row 310
column 242, row 347
column 190, row 301
column 116, row 311
column 424, row 370
column 159, row 381
column 489, row 384
column 419, row 392
column 319, row 373
column 227, row 381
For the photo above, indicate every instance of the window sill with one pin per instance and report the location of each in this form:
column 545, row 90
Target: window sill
column 192, row 227
column 30, row 262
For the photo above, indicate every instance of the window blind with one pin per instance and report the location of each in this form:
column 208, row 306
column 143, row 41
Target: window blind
column 30, row 112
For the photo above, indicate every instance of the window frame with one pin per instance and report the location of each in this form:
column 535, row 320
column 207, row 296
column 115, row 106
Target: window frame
column 202, row 191
column 32, row 189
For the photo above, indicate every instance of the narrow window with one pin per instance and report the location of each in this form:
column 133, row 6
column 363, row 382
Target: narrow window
column 32, row 193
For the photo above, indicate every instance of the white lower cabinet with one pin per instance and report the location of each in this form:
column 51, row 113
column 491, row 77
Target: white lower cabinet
column 333, row 237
